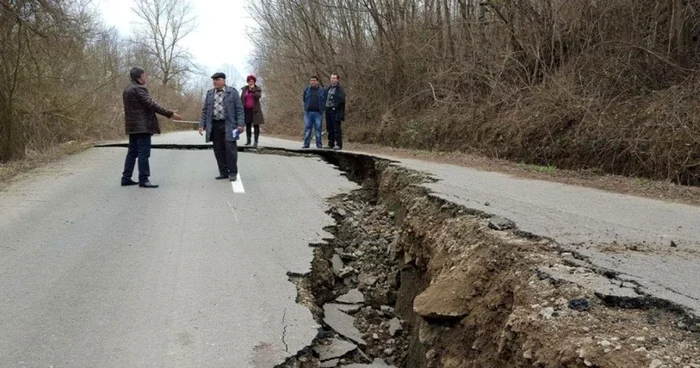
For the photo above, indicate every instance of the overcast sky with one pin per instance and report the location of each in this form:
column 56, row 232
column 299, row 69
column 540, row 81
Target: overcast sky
column 211, row 47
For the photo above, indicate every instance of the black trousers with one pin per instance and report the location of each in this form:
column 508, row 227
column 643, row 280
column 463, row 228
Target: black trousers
column 139, row 148
column 334, row 129
column 226, row 152
column 249, row 123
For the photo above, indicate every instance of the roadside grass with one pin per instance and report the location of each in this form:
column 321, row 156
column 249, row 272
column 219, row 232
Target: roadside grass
column 549, row 169
column 34, row 159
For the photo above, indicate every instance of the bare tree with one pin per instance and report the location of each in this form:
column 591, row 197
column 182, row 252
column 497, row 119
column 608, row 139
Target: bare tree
column 234, row 78
column 62, row 73
column 531, row 80
column 165, row 23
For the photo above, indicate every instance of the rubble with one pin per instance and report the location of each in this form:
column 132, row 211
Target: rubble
column 501, row 223
column 394, row 326
column 443, row 287
column 342, row 323
column 336, row 349
column 352, row 297
column 338, row 265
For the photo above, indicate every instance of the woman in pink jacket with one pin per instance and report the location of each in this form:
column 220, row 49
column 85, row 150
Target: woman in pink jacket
column 250, row 97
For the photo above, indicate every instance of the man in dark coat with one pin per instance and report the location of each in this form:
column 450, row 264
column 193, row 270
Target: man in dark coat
column 141, row 123
column 222, row 119
column 250, row 98
column 335, row 113
column 314, row 99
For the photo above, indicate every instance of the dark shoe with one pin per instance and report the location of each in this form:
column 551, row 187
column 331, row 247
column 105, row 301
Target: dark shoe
column 247, row 143
column 233, row 177
column 337, row 148
column 126, row 183
column 148, row 184
column 255, row 144
column 304, row 147
column 329, row 147
column 221, row 176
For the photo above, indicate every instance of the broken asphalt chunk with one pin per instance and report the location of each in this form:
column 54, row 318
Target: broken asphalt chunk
column 338, row 264
column 336, row 349
column 394, row 326
column 330, row 363
column 501, row 223
column 347, row 308
column 581, row 305
column 367, row 279
column 352, row 297
column 342, row 323
column 377, row 363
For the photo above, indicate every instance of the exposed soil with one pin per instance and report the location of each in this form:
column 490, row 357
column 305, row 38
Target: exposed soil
column 467, row 295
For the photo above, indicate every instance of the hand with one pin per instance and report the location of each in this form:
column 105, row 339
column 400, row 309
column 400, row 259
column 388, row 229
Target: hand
column 176, row 116
column 240, row 129
column 201, row 131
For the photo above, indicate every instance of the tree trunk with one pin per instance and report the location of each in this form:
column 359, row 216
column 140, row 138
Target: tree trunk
column 448, row 30
column 438, row 19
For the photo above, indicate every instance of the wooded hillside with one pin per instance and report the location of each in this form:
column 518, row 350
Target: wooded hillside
column 580, row 84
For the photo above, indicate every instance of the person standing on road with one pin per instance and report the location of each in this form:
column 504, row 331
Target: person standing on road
column 141, row 123
column 250, row 95
column 314, row 98
column 222, row 120
column 335, row 113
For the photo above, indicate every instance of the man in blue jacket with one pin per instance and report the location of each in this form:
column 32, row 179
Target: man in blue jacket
column 314, row 105
column 223, row 120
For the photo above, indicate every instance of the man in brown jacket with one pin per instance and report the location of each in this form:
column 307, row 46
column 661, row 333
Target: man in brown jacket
column 141, row 123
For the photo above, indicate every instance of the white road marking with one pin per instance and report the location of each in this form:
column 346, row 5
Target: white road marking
column 238, row 185
column 233, row 210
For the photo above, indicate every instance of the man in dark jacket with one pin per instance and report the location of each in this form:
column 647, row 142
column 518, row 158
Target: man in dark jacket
column 335, row 113
column 222, row 119
column 314, row 98
column 141, row 123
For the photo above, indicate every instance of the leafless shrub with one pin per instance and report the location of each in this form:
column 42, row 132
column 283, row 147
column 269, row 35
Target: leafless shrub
column 572, row 83
column 62, row 74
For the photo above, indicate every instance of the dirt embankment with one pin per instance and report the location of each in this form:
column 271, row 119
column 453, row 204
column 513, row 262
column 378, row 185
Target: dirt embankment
column 412, row 281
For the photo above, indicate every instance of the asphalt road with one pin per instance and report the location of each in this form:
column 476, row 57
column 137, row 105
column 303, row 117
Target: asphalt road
column 190, row 274
column 195, row 275
column 584, row 220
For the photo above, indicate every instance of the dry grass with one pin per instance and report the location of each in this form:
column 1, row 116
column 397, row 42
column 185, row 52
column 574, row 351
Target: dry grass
column 15, row 168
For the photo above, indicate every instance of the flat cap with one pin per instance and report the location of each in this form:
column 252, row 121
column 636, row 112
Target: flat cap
column 218, row 75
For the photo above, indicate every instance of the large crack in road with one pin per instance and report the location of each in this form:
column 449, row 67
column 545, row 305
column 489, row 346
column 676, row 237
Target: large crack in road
column 413, row 280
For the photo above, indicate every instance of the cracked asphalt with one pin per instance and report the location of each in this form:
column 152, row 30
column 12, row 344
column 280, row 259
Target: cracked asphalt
column 187, row 275
column 594, row 223
column 584, row 220
column 192, row 274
